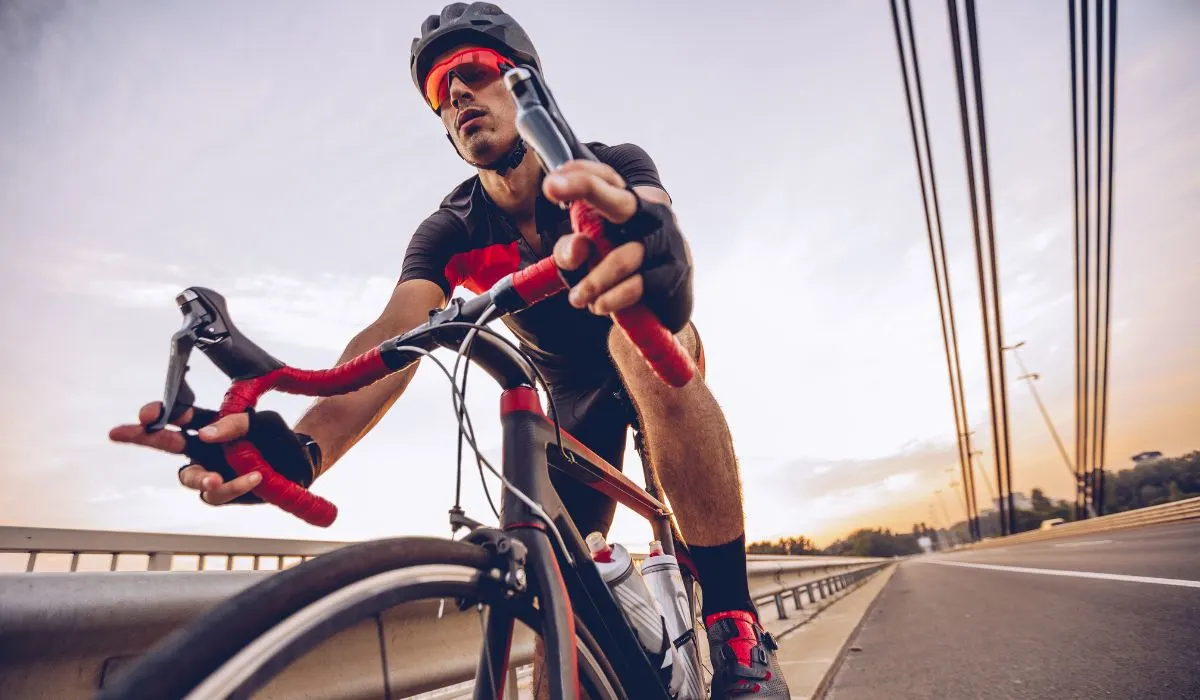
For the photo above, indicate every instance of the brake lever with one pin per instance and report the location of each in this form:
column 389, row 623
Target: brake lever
column 540, row 122
column 206, row 325
column 177, row 395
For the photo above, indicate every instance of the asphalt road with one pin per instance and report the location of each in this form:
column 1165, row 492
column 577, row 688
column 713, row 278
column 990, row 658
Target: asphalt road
column 942, row 630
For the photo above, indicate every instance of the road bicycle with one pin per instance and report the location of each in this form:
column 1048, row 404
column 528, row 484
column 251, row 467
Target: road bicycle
column 534, row 568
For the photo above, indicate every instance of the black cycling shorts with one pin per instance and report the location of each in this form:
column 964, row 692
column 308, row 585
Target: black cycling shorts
column 597, row 411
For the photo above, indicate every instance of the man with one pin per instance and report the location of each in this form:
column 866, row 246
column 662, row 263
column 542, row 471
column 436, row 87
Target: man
column 501, row 220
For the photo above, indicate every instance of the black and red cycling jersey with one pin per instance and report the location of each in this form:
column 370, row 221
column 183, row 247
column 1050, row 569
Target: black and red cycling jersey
column 470, row 242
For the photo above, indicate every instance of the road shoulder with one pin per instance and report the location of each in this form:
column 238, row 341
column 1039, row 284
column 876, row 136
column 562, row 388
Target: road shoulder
column 811, row 654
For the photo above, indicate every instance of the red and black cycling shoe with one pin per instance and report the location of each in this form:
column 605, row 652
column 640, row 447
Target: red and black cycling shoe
column 743, row 658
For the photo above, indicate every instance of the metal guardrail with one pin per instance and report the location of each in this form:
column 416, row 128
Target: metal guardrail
column 1177, row 511
column 162, row 552
column 103, row 550
column 825, row 588
column 62, row 634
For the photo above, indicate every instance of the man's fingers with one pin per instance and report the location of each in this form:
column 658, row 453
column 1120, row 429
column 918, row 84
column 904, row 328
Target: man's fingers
column 226, row 429
column 595, row 183
column 622, row 296
column 213, row 489
column 571, row 251
column 231, row 490
column 195, row 476
column 618, row 265
column 151, row 411
column 604, row 172
column 166, row 440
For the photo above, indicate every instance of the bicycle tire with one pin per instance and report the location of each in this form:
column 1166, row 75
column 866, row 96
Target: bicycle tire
column 194, row 655
column 695, row 596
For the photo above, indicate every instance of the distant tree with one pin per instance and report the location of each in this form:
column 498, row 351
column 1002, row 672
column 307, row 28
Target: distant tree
column 876, row 542
column 786, row 545
column 1149, row 482
column 764, row 547
column 1152, row 495
column 1041, row 504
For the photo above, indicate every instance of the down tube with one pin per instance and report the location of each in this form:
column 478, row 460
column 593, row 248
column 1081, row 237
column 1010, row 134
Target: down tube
column 544, row 573
column 527, row 433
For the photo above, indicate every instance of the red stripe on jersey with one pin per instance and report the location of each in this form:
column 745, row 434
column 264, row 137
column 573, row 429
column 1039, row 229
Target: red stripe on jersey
column 479, row 269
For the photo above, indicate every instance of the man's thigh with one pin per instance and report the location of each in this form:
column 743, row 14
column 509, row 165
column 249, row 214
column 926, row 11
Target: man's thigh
column 597, row 414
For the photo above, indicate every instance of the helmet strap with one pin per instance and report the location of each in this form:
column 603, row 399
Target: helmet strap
column 510, row 160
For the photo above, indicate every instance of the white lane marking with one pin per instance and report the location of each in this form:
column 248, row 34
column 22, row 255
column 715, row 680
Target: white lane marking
column 1074, row 574
column 1085, row 543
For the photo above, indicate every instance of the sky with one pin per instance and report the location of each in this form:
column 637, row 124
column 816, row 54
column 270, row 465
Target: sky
column 279, row 153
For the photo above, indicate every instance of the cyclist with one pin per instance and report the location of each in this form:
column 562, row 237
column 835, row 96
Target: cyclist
column 495, row 223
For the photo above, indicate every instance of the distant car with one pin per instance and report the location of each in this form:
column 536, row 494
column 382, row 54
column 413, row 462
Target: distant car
column 1052, row 522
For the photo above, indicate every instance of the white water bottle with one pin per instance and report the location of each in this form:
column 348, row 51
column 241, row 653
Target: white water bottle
column 640, row 609
column 661, row 573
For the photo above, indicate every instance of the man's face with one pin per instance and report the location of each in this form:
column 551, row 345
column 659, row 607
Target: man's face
column 478, row 113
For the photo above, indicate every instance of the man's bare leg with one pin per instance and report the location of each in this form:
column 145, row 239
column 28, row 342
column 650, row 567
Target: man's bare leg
column 691, row 451
column 688, row 444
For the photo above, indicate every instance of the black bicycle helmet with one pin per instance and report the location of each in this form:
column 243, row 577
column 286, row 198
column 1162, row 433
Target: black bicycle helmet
column 480, row 23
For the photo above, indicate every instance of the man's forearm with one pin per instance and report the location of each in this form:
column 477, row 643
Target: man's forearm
column 338, row 422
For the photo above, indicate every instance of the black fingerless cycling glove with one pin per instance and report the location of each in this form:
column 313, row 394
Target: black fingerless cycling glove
column 667, row 268
column 294, row 455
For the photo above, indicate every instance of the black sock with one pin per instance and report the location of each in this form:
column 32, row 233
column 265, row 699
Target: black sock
column 722, row 570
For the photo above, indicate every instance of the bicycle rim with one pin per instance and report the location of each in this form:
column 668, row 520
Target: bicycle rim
column 266, row 657
column 700, row 631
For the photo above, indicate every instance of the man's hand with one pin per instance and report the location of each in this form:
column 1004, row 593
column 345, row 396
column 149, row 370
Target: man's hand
column 653, row 265
column 213, row 487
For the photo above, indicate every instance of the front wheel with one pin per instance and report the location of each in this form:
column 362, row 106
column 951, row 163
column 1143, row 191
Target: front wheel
column 397, row 586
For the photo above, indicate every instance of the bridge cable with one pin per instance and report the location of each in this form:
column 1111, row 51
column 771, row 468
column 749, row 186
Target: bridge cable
column 977, row 72
column 937, row 254
column 993, row 335
column 1080, row 339
column 1105, row 241
column 1093, row 271
column 1097, row 283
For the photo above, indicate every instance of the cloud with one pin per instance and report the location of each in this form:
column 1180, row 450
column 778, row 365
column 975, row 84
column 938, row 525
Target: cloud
column 839, row 476
column 321, row 312
column 822, row 498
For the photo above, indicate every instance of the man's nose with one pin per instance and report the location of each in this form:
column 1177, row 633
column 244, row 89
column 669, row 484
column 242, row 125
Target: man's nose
column 459, row 90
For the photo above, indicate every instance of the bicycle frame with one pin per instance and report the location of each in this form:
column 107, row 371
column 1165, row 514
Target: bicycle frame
column 560, row 575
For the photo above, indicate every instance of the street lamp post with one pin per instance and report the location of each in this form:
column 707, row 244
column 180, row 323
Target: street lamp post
column 991, row 495
column 1030, row 378
column 988, row 484
column 945, row 511
column 937, row 528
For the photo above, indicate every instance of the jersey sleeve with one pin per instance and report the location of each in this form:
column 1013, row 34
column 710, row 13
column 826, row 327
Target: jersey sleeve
column 433, row 244
column 633, row 163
